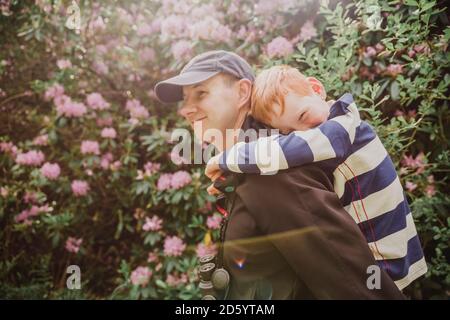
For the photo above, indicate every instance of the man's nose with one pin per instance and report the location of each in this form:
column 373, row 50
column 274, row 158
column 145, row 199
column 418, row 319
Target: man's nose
column 187, row 110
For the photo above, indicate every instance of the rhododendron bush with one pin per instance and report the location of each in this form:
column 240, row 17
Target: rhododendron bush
column 87, row 172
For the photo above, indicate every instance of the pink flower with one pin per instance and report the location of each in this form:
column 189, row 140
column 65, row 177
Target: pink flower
column 95, row 101
column 103, row 122
column 115, row 165
column 25, row 214
column 164, row 182
column 8, row 148
column 430, row 190
column 80, row 188
column 145, row 30
column 141, row 276
column 41, row 140
column 147, row 55
column 100, row 67
column 106, row 160
column 73, row 244
column 137, row 111
column 203, row 249
column 66, row 107
column 30, row 197
column 63, row 64
column 151, row 167
column 152, row 224
column 4, row 192
column 56, row 90
column 152, row 257
column 209, row 28
column 308, row 31
column 394, row 69
column 370, row 52
column 417, row 162
column 108, row 133
column 214, row 221
column 30, row 158
column 173, row 246
column 173, row 280
column 174, row 26
column 180, row 179
column 50, row 171
column 279, row 47
column 410, row 186
column 182, row 50
column 90, row 147
column 379, row 47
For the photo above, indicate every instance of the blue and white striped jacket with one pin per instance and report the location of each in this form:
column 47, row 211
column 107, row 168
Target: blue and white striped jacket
column 364, row 176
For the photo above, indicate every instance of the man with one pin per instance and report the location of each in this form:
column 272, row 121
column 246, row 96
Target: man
column 287, row 235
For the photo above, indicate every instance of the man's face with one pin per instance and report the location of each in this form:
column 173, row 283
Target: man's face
column 211, row 104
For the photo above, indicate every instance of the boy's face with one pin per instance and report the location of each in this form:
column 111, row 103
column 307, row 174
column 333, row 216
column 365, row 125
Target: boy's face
column 300, row 113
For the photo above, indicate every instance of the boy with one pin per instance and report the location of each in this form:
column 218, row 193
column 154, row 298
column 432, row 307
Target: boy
column 347, row 149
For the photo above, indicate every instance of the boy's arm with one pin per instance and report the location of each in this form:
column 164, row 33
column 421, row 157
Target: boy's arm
column 332, row 139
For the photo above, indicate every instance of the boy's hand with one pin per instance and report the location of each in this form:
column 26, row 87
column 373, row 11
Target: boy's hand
column 212, row 170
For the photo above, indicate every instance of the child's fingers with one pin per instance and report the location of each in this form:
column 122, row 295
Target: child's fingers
column 212, row 171
column 216, row 176
column 212, row 191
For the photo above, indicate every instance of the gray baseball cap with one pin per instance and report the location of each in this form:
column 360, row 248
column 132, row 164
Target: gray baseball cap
column 201, row 68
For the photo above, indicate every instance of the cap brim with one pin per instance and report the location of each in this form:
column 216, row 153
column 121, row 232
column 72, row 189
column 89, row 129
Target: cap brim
column 171, row 90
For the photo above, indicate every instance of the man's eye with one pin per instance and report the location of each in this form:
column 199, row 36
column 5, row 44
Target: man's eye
column 201, row 94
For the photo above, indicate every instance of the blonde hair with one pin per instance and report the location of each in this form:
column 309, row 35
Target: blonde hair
column 271, row 86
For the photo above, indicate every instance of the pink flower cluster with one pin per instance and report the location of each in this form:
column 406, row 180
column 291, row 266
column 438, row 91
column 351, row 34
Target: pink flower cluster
column 90, row 147
column 106, row 160
column 152, row 224
column 136, row 109
column 203, row 249
column 415, row 163
column 80, row 188
column 50, row 170
column 174, row 246
column 8, row 148
column 96, row 102
column 182, row 50
column 174, row 280
column 68, row 108
column 394, row 69
column 174, row 181
column 32, row 212
column 41, row 140
column 64, row 64
column 280, row 47
column 55, row 91
column 140, row 276
column 213, row 222
column 109, row 133
column 104, row 122
column 307, row 31
column 73, row 244
column 30, row 158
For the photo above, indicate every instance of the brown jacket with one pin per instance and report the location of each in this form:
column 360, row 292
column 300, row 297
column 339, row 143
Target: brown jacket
column 288, row 237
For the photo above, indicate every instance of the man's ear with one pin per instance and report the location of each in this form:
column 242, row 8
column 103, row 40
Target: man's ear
column 245, row 92
column 317, row 87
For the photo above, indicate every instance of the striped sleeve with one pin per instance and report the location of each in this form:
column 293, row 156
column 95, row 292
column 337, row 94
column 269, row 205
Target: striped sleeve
column 267, row 155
